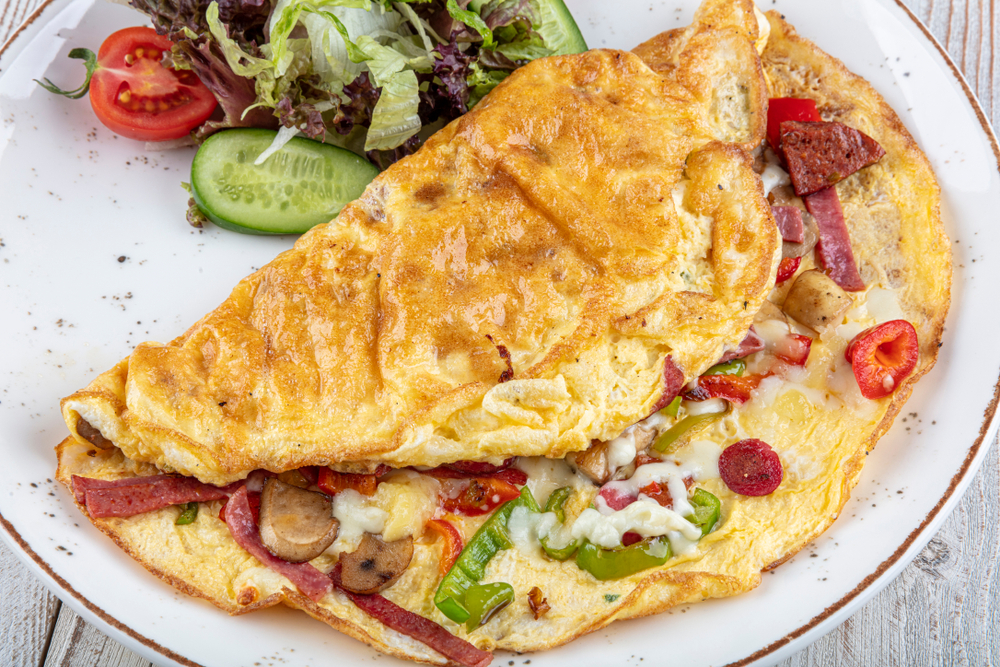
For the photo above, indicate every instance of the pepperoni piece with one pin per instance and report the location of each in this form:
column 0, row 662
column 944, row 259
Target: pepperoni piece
column 750, row 468
column 789, row 219
column 615, row 497
column 822, row 154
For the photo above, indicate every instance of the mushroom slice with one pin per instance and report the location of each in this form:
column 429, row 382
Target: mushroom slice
column 375, row 565
column 816, row 301
column 295, row 525
column 593, row 463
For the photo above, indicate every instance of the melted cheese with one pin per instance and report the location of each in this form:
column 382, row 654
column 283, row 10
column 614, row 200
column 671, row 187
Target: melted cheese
column 357, row 515
column 645, row 517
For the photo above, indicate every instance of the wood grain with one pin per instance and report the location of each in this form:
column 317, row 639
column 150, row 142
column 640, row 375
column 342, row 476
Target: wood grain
column 27, row 614
column 944, row 609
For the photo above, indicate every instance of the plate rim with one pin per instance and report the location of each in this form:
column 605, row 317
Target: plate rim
column 865, row 589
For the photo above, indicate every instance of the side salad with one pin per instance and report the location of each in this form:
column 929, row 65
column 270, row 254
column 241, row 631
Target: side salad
column 373, row 77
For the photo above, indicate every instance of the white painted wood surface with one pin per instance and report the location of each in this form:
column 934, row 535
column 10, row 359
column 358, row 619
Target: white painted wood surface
column 943, row 610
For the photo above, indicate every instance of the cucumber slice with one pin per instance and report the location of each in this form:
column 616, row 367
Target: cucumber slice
column 557, row 27
column 304, row 184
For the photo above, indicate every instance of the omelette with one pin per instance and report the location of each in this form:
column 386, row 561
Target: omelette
column 567, row 364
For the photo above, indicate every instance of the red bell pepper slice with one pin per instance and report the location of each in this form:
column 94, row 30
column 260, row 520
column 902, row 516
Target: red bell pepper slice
column 733, row 388
column 780, row 109
column 481, row 496
column 787, row 269
column 883, row 356
column 332, row 482
column 659, row 493
column 451, row 547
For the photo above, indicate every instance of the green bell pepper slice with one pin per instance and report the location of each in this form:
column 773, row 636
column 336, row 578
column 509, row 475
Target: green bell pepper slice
column 189, row 514
column 619, row 562
column 674, row 406
column 735, row 367
column 707, row 510
column 470, row 567
column 691, row 422
column 557, row 500
column 484, row 600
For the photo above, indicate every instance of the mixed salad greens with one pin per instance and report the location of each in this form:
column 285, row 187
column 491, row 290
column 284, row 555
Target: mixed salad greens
column 364, row 74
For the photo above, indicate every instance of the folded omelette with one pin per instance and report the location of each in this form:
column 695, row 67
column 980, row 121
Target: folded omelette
column 510, row 344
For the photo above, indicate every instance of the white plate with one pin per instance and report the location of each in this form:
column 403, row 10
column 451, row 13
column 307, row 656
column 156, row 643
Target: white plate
column 96, row 257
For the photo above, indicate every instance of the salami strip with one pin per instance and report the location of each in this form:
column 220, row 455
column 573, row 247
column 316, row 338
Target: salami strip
column 833, row 250
column 151, row 494
column 822, row 154
column 83, row 484
column 413, row 625
column 752, row 343
column 510, row 475
column 476, row 468
column 789, row 219
column 673, row 382
column 313, row 583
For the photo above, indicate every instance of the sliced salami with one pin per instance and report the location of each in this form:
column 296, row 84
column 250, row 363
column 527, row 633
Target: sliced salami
column 833, row 250
column 752, row 343
column 413, row 625
column 789, row 219
column 313, row 583
column 138, row 497
column 822, row 154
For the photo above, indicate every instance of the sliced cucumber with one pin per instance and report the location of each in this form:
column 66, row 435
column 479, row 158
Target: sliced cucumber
column 304, row 184
column 557, row 27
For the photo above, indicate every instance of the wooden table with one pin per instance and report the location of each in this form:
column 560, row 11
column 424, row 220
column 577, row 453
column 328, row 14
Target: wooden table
column 940, row 611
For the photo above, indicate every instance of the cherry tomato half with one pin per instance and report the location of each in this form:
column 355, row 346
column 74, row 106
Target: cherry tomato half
column 133, row 94
column 883, row 356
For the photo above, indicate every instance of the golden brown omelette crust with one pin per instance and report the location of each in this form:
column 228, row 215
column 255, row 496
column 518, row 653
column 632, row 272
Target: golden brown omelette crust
column 585, row 221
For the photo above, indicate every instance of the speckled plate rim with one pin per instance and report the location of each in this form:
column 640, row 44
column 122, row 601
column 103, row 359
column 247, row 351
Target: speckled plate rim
column 793, row 641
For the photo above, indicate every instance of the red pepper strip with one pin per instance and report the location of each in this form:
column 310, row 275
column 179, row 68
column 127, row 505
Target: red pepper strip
column 254, row 499
column 733, row 388
column 510, row 475
column 883, row 356
column 789, row 220
column 451, row 547
column 780, row 109
column 659, row 493
column 412, row 625
column 794, row 349
column 477, row 469
column 152, row 493
column 833, row 250
column 787, row 269
column 483, row 495
column 332, row 482
column 313, row 583
column 752, row 343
